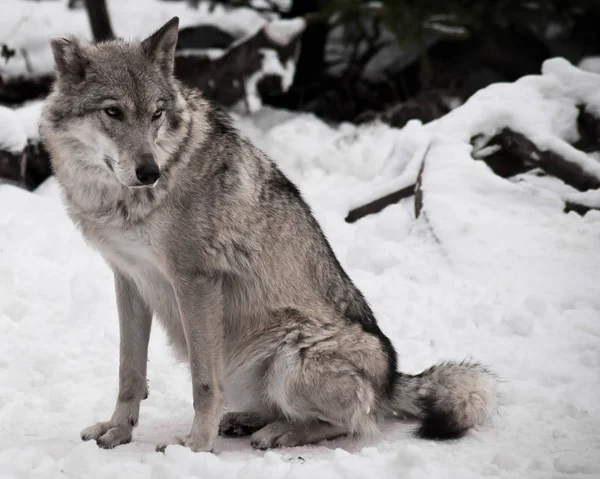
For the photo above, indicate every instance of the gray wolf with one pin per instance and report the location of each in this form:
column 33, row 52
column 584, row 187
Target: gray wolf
column 203, row 231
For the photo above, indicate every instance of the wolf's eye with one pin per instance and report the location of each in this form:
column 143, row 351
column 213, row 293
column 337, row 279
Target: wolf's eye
column 113, row 112
column 157, row 114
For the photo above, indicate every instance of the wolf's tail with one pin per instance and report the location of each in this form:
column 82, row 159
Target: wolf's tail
column 449, row 398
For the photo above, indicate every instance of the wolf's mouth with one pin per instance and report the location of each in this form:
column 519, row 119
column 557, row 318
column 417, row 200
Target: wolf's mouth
column 136, row 187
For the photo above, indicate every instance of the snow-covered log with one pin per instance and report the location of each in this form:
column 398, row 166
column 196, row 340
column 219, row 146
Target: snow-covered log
column 547, row 122
column 23, row 159
column 232, row 75
column 19, row 89
column 571, row 166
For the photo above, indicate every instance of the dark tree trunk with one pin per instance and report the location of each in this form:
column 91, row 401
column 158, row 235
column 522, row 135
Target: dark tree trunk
column 99, row 20
column 311, row 60
column 312, row 53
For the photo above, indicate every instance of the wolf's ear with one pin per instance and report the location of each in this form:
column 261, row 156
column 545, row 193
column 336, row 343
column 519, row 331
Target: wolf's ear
column 69, row 58
column 160, row 46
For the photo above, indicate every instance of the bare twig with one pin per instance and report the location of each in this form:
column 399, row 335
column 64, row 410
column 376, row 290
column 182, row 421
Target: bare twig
column 23, row 167
column 25, row 56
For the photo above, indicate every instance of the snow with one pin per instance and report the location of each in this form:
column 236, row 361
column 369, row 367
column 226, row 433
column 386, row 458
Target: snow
column 445, row 29
column 491, row 269
column 29, row 25
column 283, row 31
column 403, row 153
column 28, row 116
column 12, row 134
column 590, row 64
column 211, row 53
column 283, row 5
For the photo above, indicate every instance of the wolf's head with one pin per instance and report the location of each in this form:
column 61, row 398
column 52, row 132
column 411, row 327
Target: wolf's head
column 115, row 105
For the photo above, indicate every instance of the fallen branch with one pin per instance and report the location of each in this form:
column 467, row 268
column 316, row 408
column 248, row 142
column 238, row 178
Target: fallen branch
column 412, row 188
column 578, row 208
column 419, row 202
column 503, row 162
column 419, row 190
column 571, row 172
column 380, row 203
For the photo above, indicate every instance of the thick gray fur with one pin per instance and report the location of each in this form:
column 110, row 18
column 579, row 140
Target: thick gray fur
column 225, row 253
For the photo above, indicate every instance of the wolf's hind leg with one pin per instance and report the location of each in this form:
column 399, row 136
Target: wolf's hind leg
column 284, row 433
column 328, row 379
column 238, row 424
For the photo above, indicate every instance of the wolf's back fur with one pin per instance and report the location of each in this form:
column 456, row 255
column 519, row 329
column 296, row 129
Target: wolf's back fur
column 226, row 254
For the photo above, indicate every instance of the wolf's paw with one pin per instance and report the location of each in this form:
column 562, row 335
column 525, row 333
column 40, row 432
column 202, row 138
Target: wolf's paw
column 285, row 434
column 107, row 434
column 239, row 424
column 194, row 444
column 287, row 439
column 278, row 434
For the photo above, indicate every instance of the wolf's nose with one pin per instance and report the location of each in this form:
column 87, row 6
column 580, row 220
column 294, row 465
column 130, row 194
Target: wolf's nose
column 148, row 173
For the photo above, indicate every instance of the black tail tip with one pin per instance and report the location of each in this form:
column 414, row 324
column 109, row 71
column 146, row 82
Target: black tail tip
column 440, row 426
column 455, row 397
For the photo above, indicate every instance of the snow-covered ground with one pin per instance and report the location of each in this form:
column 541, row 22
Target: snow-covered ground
column 27, row 25
column 492, row 270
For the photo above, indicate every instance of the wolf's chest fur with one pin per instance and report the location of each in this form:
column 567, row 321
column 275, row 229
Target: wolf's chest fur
column 135, row 254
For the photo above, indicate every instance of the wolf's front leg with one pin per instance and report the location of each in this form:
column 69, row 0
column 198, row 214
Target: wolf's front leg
column 200, row 304
column 135, row 319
